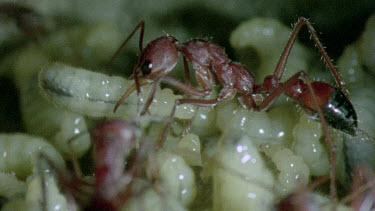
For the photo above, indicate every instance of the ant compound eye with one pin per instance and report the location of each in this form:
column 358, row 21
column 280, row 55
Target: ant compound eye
column 146, row 67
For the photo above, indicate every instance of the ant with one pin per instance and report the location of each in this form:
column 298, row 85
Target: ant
column 113, row 142
column 321, row 101
column 362, row 195
column 29, row 21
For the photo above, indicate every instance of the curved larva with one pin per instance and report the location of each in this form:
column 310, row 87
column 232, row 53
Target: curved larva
column 10, row 185
column 55, row 201
column 56, row 125
column 241, row 179
column 95, row 94
column 177, row 177
column 268, row 38
column 147, row 198
column 20, row 154
column 292, row 169
column 308, row 144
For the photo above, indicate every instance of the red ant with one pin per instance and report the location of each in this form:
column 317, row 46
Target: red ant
column 211, row 64
column 321, row 101
column 113, row 140
column 29, row 21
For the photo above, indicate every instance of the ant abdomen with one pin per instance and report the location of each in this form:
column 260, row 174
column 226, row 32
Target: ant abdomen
column 337, row 109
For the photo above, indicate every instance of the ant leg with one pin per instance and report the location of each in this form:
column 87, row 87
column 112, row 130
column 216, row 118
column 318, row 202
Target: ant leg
column 363, row 180
column 281, row 89
column 129, row 91
column 284, row 56
column 227, row 93
column 272, row 97
column 187, row 72
column 42, row 183
column 76, row 167
column 332, row 146
column 197, row 102
column 185, row 88
column 150, row 97
column 70, row 182
column 141, row 26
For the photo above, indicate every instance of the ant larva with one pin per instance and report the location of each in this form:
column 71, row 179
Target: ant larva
column 240, row 170
column 320, row 100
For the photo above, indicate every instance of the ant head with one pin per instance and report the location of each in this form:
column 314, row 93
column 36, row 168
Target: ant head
column 158, row 58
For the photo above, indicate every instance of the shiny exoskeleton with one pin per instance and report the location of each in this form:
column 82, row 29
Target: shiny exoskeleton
column 320, row 100
column 212, row 66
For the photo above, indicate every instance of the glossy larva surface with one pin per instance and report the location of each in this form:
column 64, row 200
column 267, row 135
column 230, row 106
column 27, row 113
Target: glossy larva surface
column 57, row 126
column 95, row 94
column 19, row 154
column 277, row 138
column 177, row 177
column 250, row 181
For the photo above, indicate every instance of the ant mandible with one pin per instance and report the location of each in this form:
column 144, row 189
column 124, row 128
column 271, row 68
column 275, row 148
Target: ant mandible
column 321, row 101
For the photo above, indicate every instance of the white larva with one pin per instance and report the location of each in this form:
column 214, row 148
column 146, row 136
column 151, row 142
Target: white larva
column 149, row 199
column 20, row 154
column 33, row 199
column 11, row 186
column 95, row 94
column 45, row 119
column 176, row 177
column 268, row 37
column 241, row 180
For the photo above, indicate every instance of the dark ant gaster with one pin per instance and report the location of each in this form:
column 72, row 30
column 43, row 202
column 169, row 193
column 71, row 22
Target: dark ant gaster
column 321, row 101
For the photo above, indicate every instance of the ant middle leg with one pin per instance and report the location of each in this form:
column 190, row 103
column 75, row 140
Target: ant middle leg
column 227, row 93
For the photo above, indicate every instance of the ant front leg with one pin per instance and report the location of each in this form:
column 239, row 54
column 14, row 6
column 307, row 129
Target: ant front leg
column 227, row 93
column 185, row 88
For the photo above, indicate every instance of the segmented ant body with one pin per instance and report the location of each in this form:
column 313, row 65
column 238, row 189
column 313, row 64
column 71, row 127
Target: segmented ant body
column 212, row 66
column 321, row 101
column 113, row 140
